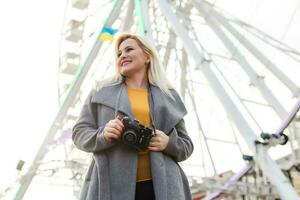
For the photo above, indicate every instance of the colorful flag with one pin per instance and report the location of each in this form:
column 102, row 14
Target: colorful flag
column 107, row 34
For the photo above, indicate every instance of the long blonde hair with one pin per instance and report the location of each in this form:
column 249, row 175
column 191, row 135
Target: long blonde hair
column 156, row 73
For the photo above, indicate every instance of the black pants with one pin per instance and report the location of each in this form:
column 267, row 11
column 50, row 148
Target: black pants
column 144, row 191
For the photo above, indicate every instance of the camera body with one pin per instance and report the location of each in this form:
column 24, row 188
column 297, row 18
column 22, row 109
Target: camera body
column 135, row 134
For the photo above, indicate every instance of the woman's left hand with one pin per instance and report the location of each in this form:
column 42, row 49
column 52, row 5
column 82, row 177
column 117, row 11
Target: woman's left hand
column 159, row 142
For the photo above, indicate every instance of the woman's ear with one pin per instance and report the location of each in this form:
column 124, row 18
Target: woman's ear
column 148, row 59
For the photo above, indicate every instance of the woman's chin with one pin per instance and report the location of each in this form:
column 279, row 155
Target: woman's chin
column 125, row 72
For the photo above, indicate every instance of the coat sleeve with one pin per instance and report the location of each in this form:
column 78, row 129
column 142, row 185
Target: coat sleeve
column 86, row 134
column 180, row 145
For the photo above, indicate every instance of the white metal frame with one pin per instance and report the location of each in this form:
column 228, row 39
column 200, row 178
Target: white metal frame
column 268, row 166
column 26, row 180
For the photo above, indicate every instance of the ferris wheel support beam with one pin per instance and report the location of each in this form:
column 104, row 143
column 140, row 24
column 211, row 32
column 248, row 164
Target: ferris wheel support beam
column 128, row 20
column 183, row 67
column 185, row 88
column 247, row 44
column 169, row 45
column 268, row 166
column 203, row 135
column 143, row 21
column 256, row 79
column 147, row 24
column 74, row 89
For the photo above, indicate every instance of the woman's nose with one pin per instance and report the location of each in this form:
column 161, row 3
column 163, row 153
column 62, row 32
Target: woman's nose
column 123, row 55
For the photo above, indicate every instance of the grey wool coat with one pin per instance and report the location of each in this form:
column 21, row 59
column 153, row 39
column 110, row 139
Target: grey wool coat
column 112, row 172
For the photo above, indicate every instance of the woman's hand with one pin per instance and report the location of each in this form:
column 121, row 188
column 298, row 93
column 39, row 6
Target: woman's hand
column 159, row 142
column 113, row 129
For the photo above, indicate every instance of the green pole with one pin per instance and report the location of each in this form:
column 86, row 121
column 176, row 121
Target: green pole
column 138, row 12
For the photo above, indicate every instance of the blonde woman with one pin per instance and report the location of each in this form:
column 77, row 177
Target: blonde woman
column 120, row 169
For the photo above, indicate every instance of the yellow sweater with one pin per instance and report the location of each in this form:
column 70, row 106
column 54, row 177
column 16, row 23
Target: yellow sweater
column 138, row 99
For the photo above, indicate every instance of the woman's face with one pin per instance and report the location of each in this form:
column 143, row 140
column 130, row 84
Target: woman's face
column 131, row 59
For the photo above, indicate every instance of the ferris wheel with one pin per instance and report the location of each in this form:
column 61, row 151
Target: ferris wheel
column 227, row 71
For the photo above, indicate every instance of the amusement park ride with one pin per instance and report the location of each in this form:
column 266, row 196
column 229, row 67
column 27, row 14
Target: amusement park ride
column 186, row 34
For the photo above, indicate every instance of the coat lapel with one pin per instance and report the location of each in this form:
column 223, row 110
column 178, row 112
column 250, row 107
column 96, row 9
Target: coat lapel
column 166, row 112
column 109, row 95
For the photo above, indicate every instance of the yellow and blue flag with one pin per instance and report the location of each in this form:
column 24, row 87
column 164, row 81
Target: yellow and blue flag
column 107, row 34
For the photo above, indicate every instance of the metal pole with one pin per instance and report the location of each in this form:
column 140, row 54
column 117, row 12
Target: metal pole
column 288, row 119
column 269, row 167
column 75, row 87
column 128, row 20
column 231, row 181
column 257, row 80
column 256, row 52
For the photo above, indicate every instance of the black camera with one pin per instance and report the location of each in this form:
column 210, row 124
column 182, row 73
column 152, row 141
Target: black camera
column 135, row 134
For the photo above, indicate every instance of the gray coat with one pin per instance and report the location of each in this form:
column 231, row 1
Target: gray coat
column 112, row 172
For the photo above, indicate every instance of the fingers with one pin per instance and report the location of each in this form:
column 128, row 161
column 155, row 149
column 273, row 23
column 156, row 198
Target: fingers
column 154, row 148
column 116, row 124
column 156, row 139
column 159, row 133
column 111, row 135
column 154, row 145
column 158, row 142
column 113, row 129
column 119, row 117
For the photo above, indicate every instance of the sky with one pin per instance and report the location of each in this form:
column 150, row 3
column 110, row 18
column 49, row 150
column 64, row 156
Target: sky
column 29, row 49
column 29, row 46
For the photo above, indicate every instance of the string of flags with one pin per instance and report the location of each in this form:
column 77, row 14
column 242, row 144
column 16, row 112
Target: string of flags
column 107, row 34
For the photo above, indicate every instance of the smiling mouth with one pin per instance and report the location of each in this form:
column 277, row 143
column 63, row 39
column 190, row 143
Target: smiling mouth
column 125, row 63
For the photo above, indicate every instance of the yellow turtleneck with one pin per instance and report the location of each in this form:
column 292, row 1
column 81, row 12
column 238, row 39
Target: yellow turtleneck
column 138, row 99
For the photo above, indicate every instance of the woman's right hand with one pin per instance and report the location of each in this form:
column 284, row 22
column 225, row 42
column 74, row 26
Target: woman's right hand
column 113, row 129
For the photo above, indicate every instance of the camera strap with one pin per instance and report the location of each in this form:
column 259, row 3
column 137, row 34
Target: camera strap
column 151, row 114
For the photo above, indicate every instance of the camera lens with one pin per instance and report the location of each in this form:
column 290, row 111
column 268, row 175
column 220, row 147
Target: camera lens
column 129, row 137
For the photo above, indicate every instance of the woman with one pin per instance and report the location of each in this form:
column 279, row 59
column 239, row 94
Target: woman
column 139, row 90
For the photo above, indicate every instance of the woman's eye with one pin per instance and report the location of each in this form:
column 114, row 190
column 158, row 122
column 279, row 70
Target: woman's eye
column 128, row 49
